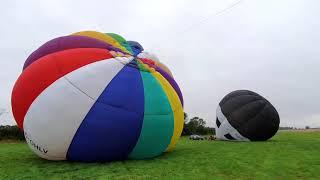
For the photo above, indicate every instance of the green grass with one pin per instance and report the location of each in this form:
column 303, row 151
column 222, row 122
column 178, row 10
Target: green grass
column 289, row 155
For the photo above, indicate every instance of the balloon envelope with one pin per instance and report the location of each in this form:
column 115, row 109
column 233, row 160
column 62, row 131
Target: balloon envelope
column 87, row 97
column 244, row 115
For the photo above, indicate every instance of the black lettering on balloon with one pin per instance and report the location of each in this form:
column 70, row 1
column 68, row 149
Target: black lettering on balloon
column 36, row 146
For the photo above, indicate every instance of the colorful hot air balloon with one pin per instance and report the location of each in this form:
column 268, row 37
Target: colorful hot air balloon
column 244, row 115
column 88, row 97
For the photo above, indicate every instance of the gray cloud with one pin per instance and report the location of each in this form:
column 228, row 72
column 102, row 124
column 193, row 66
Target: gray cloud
column 271, row 47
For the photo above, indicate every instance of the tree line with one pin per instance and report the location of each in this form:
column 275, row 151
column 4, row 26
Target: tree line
column 11, row 133
column 196, row 125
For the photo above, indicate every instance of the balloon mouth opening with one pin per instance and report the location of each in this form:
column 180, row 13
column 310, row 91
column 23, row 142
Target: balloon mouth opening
column 147, row 65
column 144, row 65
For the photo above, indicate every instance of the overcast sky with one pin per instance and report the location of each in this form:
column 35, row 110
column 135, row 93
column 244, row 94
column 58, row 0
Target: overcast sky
column 268, row 46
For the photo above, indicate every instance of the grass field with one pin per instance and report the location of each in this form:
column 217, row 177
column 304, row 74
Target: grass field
column 289, row 155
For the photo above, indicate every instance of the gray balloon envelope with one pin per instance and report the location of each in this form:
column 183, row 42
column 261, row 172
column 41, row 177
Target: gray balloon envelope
column 244, row 115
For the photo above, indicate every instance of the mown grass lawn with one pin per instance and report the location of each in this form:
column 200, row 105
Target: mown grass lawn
column 289, row 155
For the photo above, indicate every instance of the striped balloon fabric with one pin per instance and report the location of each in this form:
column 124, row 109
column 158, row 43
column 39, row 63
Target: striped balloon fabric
column 95, row 97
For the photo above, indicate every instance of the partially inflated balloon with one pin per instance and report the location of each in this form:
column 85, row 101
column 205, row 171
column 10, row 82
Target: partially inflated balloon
column 246, row 116
column 87, row 97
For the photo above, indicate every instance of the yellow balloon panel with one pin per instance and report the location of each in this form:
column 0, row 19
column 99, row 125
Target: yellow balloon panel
column 103, row 37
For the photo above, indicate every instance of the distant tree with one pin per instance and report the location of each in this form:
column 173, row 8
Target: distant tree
column 11, row 132
column 195, row 125
column 185, row 115
column 307, row 127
